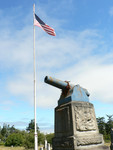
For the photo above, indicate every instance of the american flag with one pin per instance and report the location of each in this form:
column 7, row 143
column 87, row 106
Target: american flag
column 38, row 22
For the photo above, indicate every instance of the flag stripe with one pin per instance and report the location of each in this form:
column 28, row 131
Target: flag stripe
column 38, row 22
column 49, row 32
column 48, row 26
column 47, row 29
column 44, row 26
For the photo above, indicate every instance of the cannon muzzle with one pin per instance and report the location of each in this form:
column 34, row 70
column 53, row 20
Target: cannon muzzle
column 57, row 83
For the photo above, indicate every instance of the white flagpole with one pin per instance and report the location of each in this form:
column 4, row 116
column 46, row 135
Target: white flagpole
column 35, row 133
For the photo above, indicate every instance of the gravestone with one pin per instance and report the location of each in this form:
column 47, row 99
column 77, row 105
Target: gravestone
column 48, row 146
column 75, row 122
column 45, row 144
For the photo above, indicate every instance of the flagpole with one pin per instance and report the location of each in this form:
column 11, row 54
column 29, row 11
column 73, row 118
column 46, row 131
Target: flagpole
column 35, row 133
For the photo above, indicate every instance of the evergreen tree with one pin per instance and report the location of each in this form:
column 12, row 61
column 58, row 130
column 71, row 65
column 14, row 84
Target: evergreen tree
column 5, row 130
column 31, row 126
column 101, row 125
column 109, row 124
column 12, row 129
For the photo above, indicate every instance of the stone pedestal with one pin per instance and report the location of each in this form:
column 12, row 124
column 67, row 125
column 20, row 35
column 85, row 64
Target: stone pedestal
column 76, row 128
column 111, row 146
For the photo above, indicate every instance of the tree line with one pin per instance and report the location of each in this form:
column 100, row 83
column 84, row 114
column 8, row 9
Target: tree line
column 105, row 126
column 10, row 136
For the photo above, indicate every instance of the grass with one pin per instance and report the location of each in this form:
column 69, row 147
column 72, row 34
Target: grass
column 108, row 144
column 11, row 148
column 22, row 148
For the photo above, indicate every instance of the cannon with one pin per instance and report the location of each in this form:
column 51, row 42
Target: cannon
column 69, row 92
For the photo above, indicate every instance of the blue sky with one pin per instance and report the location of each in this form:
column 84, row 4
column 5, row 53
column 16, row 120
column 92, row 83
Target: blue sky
column 81, row 52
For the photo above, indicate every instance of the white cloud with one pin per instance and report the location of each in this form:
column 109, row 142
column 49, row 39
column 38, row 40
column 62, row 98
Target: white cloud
column 74, row 56
column 19, row 124
column 97, row 78
column 47, row 130
column 21, row 84
column 68, row 58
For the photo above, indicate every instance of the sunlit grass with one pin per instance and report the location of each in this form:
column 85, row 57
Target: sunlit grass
column 11, row 148
column 108, row 144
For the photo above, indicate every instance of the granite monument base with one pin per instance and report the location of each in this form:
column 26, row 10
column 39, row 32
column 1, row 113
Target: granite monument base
column 111, row 146
column 76, row 128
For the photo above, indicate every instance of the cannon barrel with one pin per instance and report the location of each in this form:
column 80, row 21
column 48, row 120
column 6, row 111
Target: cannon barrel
column 57, row 83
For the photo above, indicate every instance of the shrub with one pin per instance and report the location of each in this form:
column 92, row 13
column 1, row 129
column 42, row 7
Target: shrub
column 1, row 143
column 107, row 138
column 41, row 138
column 49, row 137
column 29, row 141
column 15, row 139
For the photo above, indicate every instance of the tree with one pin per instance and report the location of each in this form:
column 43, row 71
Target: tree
column 41, row 138
column 5, row 130
column 29, row 141
column 12, row 129
column 101, row 124
column 0, row 129
column 1, row 137
column 31, row 126
column 109, row 124
column 105, row 127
